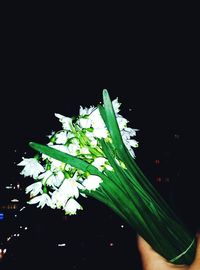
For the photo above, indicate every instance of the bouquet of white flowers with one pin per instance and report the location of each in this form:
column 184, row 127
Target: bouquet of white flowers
column 92, row 155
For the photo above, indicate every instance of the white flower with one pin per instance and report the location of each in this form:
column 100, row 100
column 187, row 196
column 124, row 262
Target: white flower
column 66, row 121
column 73, row 147
column 85, row 122
column 59, row 178
column 59, row 199
column 133, row 143
column 96, row 119
column 51, row 134
column 116, row 105
column 61, row 137
column 34, row 189
column 93, row 140
column 99, row 163
column 70, row 187
column 56, row 165
column 86, row 111
column 131, row 131
column 127, row 133
column 122, row 122
column 45, row 175
column 52, row 180
column 131, row 152
column 32, row 167
column 43, row 200
column 92, row 182
column 100, row 132
column 129, row 148
column 72, row 206
column 84, row 150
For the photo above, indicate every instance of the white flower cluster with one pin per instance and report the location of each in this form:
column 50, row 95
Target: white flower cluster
column 57, row 184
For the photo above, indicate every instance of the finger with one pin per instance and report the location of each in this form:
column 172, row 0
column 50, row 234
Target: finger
column 196, row 263
column 152, row 260
column 146, row 251
column 143, row 246
column 148, row 256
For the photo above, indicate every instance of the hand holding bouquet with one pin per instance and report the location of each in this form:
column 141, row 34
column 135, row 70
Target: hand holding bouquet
column 92, row 155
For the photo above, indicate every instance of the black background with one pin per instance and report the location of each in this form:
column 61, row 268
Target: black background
column 57, row 62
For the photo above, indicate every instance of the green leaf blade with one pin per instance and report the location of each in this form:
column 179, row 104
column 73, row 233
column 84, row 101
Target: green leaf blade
column 65, row 158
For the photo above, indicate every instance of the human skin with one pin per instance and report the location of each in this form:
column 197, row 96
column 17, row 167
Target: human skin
column 151, row 260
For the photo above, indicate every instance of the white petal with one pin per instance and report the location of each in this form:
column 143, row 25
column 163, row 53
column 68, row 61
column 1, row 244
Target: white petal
column 85, row 122
column 32, row 167
column 73, row 148
column 35, row 200
column 59, row 116
column 59, row 199
column 84, row 150
column 116, row 105
column 92, row 182
column 93, row 140
column 66, row 121
column 45, row 175
column 99, row 162
column 131, row 131
column 61, row 137
column 70, row 188
column 122, row 122
column 133, row 143
column 96, row 119
column 86, row 111
column 34, row 188
column 100, row 132
column 72, row 206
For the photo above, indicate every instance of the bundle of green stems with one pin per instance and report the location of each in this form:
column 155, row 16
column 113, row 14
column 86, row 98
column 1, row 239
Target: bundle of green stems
column 127, row 191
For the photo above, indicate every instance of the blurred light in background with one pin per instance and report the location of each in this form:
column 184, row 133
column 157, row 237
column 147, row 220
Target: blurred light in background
column 1, row 216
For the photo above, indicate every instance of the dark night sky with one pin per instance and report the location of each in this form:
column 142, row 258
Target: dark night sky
column 158, row 82
column 153, row 72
